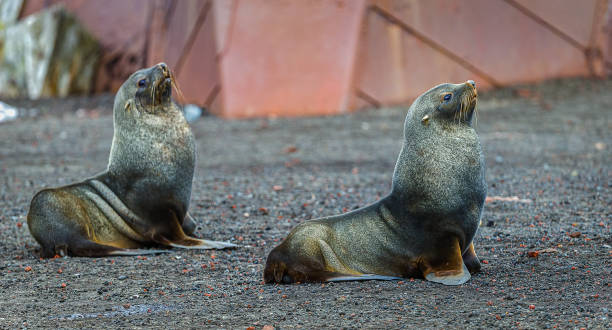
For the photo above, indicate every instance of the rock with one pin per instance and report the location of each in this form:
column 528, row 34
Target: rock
column 192, row 112
column 7, row 112
column 9, row 12
column 48, row 54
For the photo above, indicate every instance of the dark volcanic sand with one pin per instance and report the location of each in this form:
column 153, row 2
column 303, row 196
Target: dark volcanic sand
column 547, row 144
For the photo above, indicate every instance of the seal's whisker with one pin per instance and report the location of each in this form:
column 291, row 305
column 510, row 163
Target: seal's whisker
column 152, row 92
column 455, row 116
column 176, row 87
column 475, row 112
column 461, row 108
column 464, row 106
column 467, row 102
column 152, row 98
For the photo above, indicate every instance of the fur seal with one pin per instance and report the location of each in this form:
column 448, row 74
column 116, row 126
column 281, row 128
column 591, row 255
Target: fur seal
column 141, row 200
column 424, row 227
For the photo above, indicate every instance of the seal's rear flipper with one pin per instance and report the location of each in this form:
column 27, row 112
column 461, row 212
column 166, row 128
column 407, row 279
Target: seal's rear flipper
column 82, row 247
column 449, row 278
column 364, row 277
column 203, row 244
column 137, row 252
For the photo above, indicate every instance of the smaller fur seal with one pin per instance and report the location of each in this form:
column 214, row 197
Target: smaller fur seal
column 424, row 227
column 141, row 200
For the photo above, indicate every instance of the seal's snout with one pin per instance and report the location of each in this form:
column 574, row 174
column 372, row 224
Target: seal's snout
column 467, row 101
column 471, row 86
column 158, row 90
column 165, row 81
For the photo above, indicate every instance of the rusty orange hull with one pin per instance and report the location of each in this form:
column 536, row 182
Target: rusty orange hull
column 258, row 58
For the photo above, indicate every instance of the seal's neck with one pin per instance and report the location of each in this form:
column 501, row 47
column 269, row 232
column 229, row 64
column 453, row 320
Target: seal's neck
column 436, row 167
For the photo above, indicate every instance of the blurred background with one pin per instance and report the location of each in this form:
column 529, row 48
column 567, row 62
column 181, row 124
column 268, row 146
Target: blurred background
column 258, row 58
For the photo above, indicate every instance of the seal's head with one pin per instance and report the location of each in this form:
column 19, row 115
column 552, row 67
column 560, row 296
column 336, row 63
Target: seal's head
column 148, row 90
column 448, row 104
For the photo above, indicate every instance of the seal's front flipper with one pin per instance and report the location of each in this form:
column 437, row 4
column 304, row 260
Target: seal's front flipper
column 189, row 225
column 449, row 277
column 443, row 264
column 471, row 260
column 364, row 277
column 202, row 244
column 174, row 236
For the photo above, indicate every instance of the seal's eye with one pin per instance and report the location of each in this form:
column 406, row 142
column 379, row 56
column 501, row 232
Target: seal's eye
column 448, row 96
column 142, row 83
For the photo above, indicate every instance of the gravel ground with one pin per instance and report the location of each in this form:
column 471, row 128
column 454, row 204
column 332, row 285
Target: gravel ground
column 545, row 241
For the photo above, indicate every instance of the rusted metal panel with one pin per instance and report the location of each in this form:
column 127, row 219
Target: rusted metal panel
column 606, row 39
column 289, row 57
column 279, row 57
column 394, row 66
column 183, row 37
column 571, row 17
column 197, row 69
column 495, row 37
column 157, row 41
column 181, row 25
column 224, row 13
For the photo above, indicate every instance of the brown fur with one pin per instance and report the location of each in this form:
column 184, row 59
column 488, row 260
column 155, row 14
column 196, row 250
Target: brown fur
column 141, row 200
column 424, row 227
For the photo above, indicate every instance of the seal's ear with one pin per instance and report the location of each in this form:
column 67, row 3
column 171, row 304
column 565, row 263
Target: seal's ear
column 129, row 106
column 425, row 120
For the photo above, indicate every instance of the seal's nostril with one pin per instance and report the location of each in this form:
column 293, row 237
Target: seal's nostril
column 164, row 68
column 471, row 82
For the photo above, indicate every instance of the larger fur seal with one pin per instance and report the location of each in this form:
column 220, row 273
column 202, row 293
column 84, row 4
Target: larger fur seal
column 141, row 200
column 424, row 227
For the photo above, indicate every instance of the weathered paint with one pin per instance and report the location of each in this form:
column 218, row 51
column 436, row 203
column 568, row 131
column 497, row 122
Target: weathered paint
column 279, row 57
